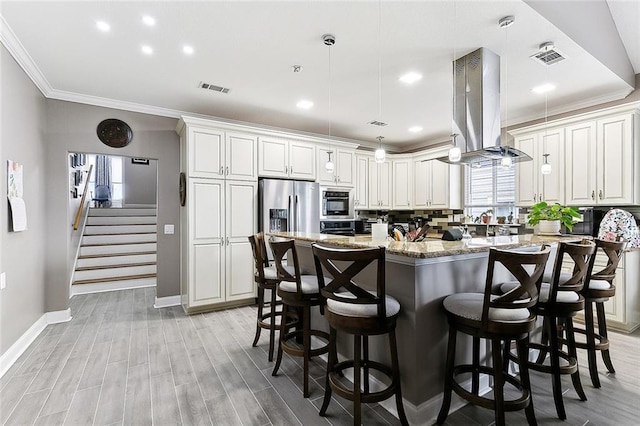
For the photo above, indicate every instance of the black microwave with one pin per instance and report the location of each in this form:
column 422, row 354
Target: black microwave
column 336, row 203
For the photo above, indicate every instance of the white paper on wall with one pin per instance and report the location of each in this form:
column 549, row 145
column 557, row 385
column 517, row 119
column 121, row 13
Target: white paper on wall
column 18, row 214
column 15, row 194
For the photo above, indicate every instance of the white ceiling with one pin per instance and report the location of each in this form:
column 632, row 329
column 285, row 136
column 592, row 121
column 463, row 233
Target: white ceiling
column 250, row 47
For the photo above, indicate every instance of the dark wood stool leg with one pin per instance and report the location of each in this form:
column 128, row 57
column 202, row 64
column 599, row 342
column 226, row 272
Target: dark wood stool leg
column 475, row 377
column 448, row 376
column 306, row 345
column 573, row 354
column 260, row 307
column 281, row 338
column 602, row 331
column 498, row 386
column 331, row 362
column 544, row 341
column 272, row 324
column 591, row 344
column 395, row 366
column 505, row 356
column 555, row 368
column 523, row 360
column 357, row 394
column 365, row 363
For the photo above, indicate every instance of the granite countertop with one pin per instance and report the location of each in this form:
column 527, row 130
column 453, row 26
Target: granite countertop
column 431, row 247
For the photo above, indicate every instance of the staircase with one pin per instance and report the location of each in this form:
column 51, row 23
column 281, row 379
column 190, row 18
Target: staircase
column 118, row 250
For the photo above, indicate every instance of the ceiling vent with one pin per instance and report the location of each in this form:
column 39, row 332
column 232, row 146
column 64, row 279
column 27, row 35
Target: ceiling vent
column 377, row 123
column 213, row 87
column 548, row 54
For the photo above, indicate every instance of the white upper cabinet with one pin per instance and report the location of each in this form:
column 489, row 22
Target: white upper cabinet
column 344, row 162
column 614, row 166
column 531, row 185
column 286, row 159
column 379, row 193
column 241, row 152
column 436, row 185
column 402, row 182
column 361, row 196
column 581, row 164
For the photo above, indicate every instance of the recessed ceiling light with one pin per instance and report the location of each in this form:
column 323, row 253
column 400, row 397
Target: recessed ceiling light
column 149, row 20
column 410, row 77
column 543, row 88
column 187, row 50
column 415, row 129
column 103, row 26
column 147, row 50
column 304, row 104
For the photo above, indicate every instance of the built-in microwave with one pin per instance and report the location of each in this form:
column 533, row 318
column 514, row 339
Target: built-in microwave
column 336, row 203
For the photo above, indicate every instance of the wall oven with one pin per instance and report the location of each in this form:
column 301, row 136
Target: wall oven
column 338, row 227
column 336, row 203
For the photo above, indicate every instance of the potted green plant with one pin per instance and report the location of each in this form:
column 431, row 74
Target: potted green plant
column 549, row 217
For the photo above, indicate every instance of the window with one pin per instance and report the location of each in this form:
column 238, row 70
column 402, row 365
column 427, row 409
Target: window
column 117, row 176
column 490, row 187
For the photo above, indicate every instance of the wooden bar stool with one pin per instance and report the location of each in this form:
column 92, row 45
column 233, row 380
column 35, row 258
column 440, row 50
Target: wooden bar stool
column 266, row 278
column 300, row 292
column 351, row 309
column 559, row 301
column 504, row 318
column 598, row 289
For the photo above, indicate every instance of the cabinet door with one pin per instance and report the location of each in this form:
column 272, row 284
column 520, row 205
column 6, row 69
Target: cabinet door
column 527, row 171
column 580, row 172
column 440, row 188
column 374, row 184
column 345, row 167
column 385, row 185
column 302, row 160
column 273, row 157
column 206, row 242
column 421, row 183
column 206, row 153
column 402, row 183
column 614, row 152
column 362, row 182
column 241, row 157
column 552, row 186
column 324, row 177
column 241, row 221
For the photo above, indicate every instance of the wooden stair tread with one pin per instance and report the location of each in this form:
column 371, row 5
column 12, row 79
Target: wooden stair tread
column 118, row 244
column 134, row 253
column 119, row 265
column 119, row 233
column 110, row 279
column 120, row 224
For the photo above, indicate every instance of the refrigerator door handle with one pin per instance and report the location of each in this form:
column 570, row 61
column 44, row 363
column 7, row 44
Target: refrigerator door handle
column 297, row 214
column 290, row 218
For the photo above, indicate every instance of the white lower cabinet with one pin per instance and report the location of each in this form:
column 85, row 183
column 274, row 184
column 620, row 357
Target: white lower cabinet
column 217, row 261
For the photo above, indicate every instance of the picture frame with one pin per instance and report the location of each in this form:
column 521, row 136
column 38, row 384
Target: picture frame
column 142, row 161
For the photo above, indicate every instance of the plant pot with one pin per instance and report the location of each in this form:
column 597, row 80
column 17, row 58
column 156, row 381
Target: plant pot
column 486, row 219
column 549, row 227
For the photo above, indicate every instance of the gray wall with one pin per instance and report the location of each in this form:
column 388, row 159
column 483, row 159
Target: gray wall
column 22, row 254
column 72, row 128
column 140, row 182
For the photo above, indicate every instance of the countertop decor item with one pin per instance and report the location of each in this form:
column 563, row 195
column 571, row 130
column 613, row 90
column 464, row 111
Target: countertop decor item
column 114, row 133
column 542, row 214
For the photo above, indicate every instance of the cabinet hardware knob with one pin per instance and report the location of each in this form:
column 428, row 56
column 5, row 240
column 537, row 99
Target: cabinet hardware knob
column 222, row 170
column 593, row 195
column 535, row 197
column 227, row 170
column 600, row 194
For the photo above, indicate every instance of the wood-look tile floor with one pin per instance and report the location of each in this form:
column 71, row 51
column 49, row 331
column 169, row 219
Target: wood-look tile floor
column 121, row 361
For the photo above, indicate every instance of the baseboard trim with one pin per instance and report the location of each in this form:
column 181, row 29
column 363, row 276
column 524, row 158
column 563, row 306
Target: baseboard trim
column 165, row 302
column 110, row 286
column 13, row 353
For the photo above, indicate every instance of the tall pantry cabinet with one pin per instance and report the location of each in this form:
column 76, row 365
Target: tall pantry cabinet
column 219, row 213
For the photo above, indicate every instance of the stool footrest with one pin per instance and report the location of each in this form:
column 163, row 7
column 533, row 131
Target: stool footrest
column 366, row 397
column 288, row 347
column 602, row 343
column 571, row 368
column 489, row 403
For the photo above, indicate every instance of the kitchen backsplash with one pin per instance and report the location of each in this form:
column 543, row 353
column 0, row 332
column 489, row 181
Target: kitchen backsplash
column 438, row 220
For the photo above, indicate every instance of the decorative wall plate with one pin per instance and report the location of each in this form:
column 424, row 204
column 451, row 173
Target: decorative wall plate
column 114, row 133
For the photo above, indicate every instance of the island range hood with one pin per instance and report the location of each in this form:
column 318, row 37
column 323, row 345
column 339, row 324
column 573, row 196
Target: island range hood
column 476, row 111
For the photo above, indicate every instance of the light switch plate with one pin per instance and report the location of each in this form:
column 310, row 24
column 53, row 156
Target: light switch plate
column 3, row 280
column 168, row 229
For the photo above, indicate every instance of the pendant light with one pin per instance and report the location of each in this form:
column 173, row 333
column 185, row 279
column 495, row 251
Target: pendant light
column 329, row 40
column 380, row 154
column 455, row 153
column 506, row 162
column 546, row 168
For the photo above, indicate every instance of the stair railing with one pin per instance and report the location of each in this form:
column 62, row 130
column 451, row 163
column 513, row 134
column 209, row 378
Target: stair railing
column 76, row 221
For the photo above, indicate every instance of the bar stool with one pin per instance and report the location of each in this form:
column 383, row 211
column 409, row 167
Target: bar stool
column 559, row 301
column 351, row 309
column 265, row 277
column 598, row 289
column 300, row 292
column 508, row 317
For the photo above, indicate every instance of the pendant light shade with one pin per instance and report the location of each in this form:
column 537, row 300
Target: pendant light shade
column 380, row 154
column 546, row 169
column 506, row 162
column 455, row 153
column 329, row 166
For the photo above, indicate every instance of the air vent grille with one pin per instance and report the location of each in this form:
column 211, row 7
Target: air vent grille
column 213, row 87
column 378, row 123
column 548, row 57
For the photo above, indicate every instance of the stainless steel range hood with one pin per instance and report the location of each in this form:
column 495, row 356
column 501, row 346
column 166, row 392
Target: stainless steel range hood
column 476, row 110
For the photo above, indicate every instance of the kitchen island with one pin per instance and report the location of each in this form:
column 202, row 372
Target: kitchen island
column 420, row 275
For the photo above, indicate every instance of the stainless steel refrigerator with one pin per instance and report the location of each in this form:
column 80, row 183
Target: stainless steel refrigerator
column 288, row 206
